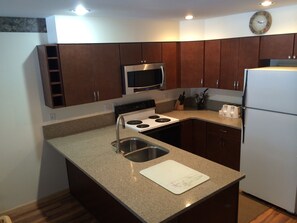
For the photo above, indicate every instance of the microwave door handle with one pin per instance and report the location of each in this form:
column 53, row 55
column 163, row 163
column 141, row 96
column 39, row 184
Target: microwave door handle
column 163, row 76
column 150, row 86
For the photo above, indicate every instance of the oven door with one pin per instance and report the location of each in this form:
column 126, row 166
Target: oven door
column 169, row 134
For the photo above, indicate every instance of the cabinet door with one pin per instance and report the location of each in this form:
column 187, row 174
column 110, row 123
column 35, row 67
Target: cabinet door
column 199, row 137
column 212, row 63
column 77, row 71
column 229, row 63
column 277, row 46
column 248, row 57
column 130, row 53
column 223, row 145
column 186, row 136
column 151, row 52
column 107, row 71
column 220, row 208
column 192, row 64
column 170, row 59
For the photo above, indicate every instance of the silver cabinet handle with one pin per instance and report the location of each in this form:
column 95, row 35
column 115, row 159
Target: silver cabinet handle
column 234, row 85
column 201, row 82
column 217, row 83
column 289, row 57
column 95, row 97
column 294, row 57
column 237, row 85
column 98, row 96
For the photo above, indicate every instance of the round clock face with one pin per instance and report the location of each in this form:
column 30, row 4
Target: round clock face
column 260, row 22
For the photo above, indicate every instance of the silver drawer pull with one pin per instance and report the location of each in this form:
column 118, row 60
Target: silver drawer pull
column 98, row 96
column 95, row 98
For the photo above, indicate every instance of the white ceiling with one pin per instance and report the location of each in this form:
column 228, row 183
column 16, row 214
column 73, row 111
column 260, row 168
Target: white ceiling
column 167, row 9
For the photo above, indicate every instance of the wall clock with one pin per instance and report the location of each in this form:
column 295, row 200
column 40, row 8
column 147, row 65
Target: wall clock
column 260, row 22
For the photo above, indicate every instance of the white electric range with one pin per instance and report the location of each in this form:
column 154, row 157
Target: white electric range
column 142, row 116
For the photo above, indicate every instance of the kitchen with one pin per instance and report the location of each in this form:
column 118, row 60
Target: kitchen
column 24, row 110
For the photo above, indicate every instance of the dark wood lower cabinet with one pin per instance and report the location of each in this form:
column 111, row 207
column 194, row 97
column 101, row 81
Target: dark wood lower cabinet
column 95, row 199
column 222, row 207
column 199, row 139
column 186, row 136
column 223, row 145
column 218, row 143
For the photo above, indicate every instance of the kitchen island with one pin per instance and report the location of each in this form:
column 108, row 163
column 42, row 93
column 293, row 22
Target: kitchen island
column 126, row 193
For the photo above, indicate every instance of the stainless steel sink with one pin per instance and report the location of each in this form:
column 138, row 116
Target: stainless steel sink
column 130, row 144
column 146, row 154
column 139, row 150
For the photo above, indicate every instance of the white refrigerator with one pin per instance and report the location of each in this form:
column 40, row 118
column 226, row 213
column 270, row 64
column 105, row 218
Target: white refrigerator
column 269, row 135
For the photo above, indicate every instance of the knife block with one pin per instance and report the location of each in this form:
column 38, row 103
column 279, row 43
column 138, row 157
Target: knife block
column 178, row 106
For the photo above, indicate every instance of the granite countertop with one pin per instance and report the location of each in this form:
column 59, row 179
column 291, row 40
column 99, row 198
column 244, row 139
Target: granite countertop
column 92, row 153
column 206, row 115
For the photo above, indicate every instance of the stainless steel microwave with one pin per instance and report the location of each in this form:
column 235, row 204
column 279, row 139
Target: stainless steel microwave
column 143, row 77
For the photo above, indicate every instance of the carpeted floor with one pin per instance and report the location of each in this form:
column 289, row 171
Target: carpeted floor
column 249, row 209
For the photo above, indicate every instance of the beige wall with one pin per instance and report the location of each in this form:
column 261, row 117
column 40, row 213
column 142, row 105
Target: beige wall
column 284, row 20
column 74, row 29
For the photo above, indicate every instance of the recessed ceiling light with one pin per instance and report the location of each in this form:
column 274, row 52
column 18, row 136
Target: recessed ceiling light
column 189, row 17
column 267, row 3
column 80, row 10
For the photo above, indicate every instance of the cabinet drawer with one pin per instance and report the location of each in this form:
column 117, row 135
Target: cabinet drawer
column 224, row 131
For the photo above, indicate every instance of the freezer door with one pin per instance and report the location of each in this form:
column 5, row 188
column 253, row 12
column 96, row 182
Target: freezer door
column 272, row 89
column 269, row 157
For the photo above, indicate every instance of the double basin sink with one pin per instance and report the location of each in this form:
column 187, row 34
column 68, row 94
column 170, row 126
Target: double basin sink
column 139, row 150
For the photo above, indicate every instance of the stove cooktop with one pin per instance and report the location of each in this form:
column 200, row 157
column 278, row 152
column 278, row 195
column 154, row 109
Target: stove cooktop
column 147, row 120
column 141, row 116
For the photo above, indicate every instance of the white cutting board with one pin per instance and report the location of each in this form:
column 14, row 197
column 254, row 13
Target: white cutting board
column 174, row 176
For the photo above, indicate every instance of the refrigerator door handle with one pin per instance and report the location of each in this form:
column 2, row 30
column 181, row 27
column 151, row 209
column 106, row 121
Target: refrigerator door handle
column 243, row 105
column 244, row 88
column 243, row 123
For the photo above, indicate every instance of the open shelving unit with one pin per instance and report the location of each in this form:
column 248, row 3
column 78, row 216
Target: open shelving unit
column 51, row 75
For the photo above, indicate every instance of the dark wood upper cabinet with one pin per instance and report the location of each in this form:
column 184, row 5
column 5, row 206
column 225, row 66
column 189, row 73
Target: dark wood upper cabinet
column 108, row 74
column 78, row 73
column 229, row 63
column 248, row 57
column 136, row 53
column 192, row 63
column 277, row 47
column 212, row 61
column 85, row 73
column 130, row 53
column 152, row 52
column 237, row 55
column 170, row 57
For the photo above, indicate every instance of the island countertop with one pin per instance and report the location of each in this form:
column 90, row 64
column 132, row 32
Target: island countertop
column 93, row 154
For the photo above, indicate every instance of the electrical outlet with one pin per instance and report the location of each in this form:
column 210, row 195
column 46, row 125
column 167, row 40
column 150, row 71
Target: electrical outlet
column 52, row 116
column 107, row 107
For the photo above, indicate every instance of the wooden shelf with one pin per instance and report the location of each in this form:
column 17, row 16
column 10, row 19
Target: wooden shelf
column 51, row 75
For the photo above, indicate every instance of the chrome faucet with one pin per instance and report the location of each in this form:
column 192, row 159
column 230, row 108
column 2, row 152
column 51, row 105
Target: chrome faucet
column 119, row 119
